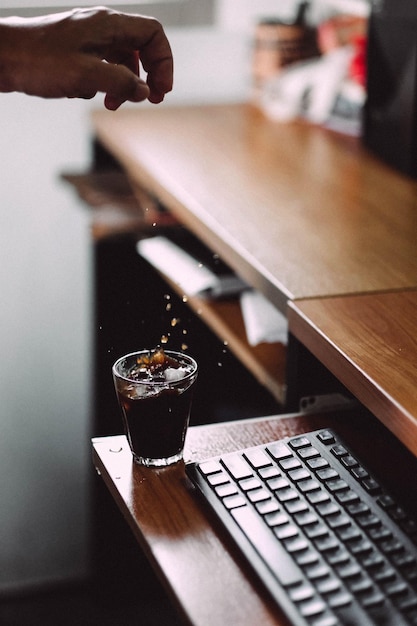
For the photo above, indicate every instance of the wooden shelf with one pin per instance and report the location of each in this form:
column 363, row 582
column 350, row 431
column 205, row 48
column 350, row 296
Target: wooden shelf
column 266, row 361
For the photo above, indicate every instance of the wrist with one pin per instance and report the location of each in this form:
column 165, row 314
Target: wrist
column 11, row 49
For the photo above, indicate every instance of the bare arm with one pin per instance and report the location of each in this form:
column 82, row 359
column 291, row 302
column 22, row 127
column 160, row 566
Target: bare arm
column 78, row 53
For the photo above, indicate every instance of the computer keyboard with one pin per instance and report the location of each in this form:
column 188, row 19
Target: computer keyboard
column 331, row 545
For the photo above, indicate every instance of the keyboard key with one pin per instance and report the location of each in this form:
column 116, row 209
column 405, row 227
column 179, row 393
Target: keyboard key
column 307, row 486
column 317, row 497
column 250, row 483
column 360, row 472
column 318, row 531
column 348, row 534
column 301, row 592
column 231, row 502
column 371, row 485
column 220, row 478
column 277, row 519
column 337, row 485
column 341, row 557
column 258, row 495
column 373, row 561
column 385, row 576
column 299, row 474
column 315, row 464
column 269, row 472
column 305, row 518
column 279, row 450
column 327, row 508
column 289, row 464
column 308, row 453
column 286, row 531
column 299, row 442
column 327, row 544
column 396, row 589
column 360, row 548
column 362, row 586
column 380, row 533
column 326, row 437
column 297, row 544
column 284, row 495
column 349, row 461
column 312, row 607
column 338, row 450
column 347, row 497
column 210, row 467
column 339, row 521
column 392, row 547
column 272, row 551
column 296, row 506
column 306, row 558
column 374, row 600
column 327, row 474
column 320, row 570
column 368, row 521
column 237, row 466
column 350, row 570
column 258, row 458
column 267, row 506
column 358, row 508
column 326, row 620
column 279, row 482
column 227, row 489
column 329, row 585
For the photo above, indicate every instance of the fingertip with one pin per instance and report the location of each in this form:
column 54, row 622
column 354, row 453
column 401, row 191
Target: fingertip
column 142, row 92
column 156, row 98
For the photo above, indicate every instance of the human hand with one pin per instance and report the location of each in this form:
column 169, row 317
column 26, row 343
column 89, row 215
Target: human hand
column 78, row 53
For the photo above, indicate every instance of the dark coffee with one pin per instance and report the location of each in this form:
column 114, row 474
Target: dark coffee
column 155, row 393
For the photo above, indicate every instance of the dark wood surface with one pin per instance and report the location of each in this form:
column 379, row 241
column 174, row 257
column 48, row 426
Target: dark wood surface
column 204, row 575
column 369, row 342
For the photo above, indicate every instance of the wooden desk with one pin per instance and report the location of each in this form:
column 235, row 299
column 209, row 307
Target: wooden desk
column 369, row 342
column 298, row 212
column 205, row 577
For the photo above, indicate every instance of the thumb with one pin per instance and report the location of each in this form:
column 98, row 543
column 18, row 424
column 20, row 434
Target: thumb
column 118, row 83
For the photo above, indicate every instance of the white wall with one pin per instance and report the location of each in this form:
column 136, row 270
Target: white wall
column 44, row 339
column 45, row 328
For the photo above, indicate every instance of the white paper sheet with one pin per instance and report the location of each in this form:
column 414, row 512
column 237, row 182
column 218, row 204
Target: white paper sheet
column 177, row 265
column 263, row 322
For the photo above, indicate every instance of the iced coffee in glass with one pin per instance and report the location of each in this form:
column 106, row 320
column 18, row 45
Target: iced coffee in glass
column 154, row 389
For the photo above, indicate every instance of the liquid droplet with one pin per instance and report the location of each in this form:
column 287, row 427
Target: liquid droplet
column 164, row 339
column 184, row 346
column 185, row 298
column 174, row 321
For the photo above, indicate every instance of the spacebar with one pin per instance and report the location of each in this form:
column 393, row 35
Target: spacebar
column 268, row 546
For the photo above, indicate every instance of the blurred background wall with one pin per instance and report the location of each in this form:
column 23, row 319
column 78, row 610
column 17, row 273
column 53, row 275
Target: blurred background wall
column 45, row 286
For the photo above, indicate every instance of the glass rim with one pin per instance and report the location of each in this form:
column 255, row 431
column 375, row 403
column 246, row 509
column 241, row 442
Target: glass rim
column 156, row 383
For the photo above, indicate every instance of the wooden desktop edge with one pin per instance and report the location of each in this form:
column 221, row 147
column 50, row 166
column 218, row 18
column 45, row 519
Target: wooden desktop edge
column 192, row 557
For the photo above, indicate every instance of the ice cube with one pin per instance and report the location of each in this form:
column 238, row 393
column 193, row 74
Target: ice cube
column 175, row 373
